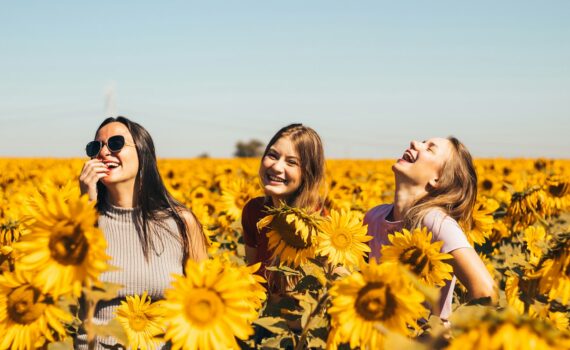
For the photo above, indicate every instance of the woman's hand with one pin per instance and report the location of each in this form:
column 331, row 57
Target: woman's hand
column 93, row 170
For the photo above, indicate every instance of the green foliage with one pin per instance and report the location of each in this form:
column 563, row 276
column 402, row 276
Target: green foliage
column 252, row 148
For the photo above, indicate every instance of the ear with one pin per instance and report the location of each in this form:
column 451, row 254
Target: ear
column 433, row 183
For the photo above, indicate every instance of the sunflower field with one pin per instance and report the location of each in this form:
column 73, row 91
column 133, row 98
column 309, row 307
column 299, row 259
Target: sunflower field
column 52, row 253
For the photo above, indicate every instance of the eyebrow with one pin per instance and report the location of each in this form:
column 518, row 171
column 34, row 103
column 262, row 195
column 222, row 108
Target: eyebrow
column 431, row 144
column 271, row 149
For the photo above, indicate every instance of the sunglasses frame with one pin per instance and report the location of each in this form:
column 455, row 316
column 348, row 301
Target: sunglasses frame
column 106, row 143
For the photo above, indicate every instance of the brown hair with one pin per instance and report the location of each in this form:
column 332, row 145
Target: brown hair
column 456, row 192
column 308, row 145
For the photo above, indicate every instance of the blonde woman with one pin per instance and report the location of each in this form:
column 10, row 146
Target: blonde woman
column 436, row 187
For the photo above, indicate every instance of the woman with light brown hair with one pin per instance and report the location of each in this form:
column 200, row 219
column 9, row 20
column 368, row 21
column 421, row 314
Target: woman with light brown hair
column 292, row 172
column 436, row 187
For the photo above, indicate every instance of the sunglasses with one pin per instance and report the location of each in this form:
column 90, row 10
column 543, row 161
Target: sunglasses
column 114, row 144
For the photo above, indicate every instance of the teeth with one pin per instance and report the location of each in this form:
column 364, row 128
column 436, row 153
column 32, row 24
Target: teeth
column 275, row 178
column 112, row 165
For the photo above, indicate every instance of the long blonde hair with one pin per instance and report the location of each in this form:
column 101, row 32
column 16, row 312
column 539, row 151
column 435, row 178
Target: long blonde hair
column 307, row 143
column 455, row 194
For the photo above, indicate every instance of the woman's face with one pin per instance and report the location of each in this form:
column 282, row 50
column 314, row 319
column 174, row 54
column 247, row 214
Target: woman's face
column 280, row 170
column 422, row 163
column 123, row 165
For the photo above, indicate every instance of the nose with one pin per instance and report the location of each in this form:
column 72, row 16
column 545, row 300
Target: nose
column 104, row 151
column 414, row 144
column 278, row 166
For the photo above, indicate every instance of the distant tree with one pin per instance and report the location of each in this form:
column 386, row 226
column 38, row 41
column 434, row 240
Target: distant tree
column 252, row 148
column 203, row 155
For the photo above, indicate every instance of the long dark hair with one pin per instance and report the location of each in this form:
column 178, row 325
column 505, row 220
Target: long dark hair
column 150, row 196
column 309, row 146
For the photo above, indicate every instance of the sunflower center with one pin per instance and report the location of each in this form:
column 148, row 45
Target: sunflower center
column 487, row 184
column 341, row 239
column 558, row 190
column 288, row 233
column 25, row 304
column 416, row 258
column 204, row 308
column 69, row 248
column 138, row 322
column 241, row 201
column 375, row 302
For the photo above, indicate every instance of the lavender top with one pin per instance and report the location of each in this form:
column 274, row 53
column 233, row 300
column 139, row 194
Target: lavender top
column 443, row 227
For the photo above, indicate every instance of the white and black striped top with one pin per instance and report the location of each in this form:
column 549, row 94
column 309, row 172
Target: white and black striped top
column 136, row 274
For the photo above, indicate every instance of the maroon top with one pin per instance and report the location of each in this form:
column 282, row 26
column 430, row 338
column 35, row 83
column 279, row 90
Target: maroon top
column 254, row 211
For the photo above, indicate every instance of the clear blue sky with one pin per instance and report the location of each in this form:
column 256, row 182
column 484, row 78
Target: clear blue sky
column 368, row 75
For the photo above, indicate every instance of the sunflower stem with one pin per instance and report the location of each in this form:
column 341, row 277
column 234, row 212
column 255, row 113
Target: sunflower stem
column 302, row 339
column 89, row 324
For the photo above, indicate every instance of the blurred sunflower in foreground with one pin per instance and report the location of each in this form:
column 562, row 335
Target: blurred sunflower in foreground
column 293, row 237
column 377, row 295
column 28, row 317
column 416, row 251
column 211, row 306
column 142, row 321
column 343, row 239
column 62, row 244
column 484, row 328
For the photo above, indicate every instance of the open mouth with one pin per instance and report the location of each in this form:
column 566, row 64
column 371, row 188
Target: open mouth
column 273, row 178
column 112, row 165
column 408, row 157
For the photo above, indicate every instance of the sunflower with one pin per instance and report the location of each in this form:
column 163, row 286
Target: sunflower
column 555, row 277
column 507, row 329
column 142, row 321
column 512, row 292
column 482, row 220
column 378, row 295
column 343, row 239
column 554, row 270
column 210, row 306
column 528, row 207
column 28, row 317
column 543, row 312
column 500, row 231
column 416, row 251
column 293, row 236
column 236, row 195
column 558, row 188
column 63, row 245
column 10, row 232
column 535, row 239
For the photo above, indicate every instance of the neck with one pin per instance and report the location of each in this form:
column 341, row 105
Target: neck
column 276, row 201
column 404, row 198
column 122, row 195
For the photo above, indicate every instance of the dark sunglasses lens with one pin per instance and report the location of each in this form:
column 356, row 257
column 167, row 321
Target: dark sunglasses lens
column 93, row 148
column 116, row 143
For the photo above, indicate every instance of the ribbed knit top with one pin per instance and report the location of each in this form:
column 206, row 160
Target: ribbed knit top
column 136, row 274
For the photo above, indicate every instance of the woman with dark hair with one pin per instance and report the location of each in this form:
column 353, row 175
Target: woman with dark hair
column 150, row 235
column 436, row 187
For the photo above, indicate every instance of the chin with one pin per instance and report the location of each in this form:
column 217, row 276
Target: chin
column 278, row 193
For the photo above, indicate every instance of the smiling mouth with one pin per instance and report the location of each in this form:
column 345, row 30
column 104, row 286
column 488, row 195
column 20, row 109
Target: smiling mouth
column 273, row 178
column 408, row 157
column 112, row 165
